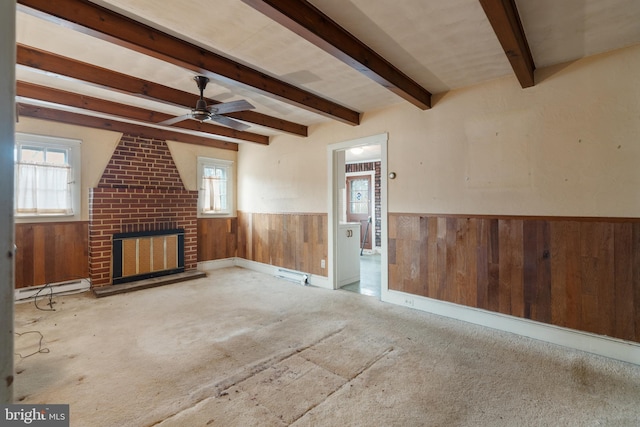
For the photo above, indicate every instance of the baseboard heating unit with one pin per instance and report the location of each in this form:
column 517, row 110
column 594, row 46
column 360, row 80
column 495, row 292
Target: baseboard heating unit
column 74, row 286
column 294, row 276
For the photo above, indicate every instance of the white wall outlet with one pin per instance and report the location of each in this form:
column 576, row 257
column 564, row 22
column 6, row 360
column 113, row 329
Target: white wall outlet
column 323, row 264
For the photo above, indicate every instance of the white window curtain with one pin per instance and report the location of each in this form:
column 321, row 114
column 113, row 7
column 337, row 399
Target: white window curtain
column 213, row 194
column 215, row 177
column 43, row 189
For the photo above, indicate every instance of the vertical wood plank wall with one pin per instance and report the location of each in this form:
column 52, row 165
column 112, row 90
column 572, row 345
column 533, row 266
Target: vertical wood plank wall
column 55, row 252
column 580, row 273
column 296, row 241
column 51, row 252
column 217, row 238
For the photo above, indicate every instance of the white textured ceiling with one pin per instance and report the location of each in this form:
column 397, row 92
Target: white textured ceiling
column 442, row 45
column 565, row 30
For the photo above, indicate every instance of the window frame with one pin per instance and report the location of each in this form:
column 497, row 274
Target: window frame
column 228, row 165
column 73, row 148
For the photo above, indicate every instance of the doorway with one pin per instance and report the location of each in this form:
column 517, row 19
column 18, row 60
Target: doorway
column 358, row 195
column 359, row 205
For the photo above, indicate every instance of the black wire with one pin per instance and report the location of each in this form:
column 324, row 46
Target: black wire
column 50, row 304
column 40, row 349
column 48, row 285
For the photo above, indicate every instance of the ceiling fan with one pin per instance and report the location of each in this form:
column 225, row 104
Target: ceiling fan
column 204, row 113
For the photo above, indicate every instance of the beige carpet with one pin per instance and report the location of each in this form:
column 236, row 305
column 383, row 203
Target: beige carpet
column 241, row 348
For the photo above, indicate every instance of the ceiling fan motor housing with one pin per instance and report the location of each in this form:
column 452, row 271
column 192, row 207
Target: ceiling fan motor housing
column 200, row 112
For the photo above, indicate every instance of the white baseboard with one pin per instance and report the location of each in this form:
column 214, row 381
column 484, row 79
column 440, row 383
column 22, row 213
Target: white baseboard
column 70, row 287
column 614, row 348
column 293, row 275
column 216, row 264
column 256, row 266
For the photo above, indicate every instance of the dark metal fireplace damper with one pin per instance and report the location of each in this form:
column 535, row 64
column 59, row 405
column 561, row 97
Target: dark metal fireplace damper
column 146, row 254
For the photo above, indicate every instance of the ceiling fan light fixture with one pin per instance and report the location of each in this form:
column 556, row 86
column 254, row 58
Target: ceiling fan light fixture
column 201, row 115
column 201, row 112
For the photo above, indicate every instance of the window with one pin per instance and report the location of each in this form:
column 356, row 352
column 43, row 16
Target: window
column 47, row 176
column 359, row 195
column 215, row 179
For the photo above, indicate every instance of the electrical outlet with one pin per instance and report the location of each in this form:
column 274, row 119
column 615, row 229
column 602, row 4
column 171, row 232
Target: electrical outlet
column 322, row 264
column 408, row 301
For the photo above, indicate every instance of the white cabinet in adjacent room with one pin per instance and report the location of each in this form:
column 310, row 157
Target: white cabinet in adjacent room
column 348, row 253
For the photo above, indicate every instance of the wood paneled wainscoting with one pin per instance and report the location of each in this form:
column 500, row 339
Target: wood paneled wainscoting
column 579, row 273
column 51, row 252
column 217, row 238
column 296, row 241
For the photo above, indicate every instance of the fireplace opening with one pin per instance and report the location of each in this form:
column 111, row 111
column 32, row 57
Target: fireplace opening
column 146, row 254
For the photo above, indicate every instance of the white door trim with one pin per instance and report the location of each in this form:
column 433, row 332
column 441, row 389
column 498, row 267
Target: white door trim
column 335, row 176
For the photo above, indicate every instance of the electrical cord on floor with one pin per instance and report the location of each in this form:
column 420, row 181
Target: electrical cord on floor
column 50, row 303
column 40, row 349
column 50, row 296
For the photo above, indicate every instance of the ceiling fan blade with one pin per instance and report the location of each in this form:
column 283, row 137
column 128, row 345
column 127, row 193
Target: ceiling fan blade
column 230, row 107
column 174, row 120
column 233, row 124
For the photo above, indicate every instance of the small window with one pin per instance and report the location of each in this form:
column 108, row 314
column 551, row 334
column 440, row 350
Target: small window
column 47, row 176
column 215, row 179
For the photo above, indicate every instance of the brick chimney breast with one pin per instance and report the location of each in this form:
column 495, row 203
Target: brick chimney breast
column 140, row 190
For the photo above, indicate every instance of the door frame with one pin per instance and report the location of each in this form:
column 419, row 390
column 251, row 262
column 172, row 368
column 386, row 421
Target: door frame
column 336, row 177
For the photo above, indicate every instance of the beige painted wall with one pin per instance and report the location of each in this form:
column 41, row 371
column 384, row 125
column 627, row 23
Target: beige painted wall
column 568, row 146
column 289, row 175
column 98, row 146
column 185, row 156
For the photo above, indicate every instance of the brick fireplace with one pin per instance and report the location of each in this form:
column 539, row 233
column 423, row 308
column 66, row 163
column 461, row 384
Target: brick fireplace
column 140, row 191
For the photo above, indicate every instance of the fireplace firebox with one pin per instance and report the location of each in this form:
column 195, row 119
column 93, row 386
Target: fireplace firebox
column 146, row 254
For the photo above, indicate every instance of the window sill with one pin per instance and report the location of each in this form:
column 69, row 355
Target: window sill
column 45, row 218
column 216, row 215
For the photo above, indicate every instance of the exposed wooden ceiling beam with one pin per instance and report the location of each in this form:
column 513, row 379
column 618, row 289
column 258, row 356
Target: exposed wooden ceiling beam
column 57, row 96
column 89, row 18
column 67, row 67
column 504, row 18
column 311, row 24
column 44, row 113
